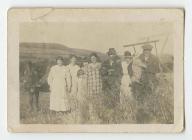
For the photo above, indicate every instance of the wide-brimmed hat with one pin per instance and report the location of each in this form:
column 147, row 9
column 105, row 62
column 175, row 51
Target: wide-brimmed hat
column 111, row 51
column 127, row 54
column 147, row 47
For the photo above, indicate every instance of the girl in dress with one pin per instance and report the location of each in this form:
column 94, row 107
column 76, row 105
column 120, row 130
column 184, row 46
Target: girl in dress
column 73, row 68
column 60, row 82
column 82, row 80
column 82, row 97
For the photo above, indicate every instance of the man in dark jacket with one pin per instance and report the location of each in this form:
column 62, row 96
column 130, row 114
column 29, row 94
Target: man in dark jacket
column 148, row 78
column 145, row 88
column 112, row 73
column 32, row 84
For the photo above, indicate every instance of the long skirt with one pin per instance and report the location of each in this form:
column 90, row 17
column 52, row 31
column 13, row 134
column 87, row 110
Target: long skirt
column 59, row 100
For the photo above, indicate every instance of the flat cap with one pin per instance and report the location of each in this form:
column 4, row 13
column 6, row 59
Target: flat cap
column 147, row 47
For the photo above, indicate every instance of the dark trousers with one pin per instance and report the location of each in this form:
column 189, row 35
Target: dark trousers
column 112, row 94
column 111, row 101
column 141, row 94
column 34, row 98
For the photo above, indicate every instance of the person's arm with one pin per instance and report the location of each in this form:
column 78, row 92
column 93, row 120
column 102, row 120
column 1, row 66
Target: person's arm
column 157, row 65
column 50, row 77
column 130, row 69
column 68, row 79
column 120, row 71
column 104, row 71
column 37, row 77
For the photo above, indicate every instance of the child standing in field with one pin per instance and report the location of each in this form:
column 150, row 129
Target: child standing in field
column 73, row 68
column 82, row 97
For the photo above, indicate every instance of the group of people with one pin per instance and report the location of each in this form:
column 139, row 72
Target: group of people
column 112, row 84
column 96, row 88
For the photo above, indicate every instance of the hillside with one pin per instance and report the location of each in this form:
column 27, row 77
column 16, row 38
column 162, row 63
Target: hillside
column 50, row 51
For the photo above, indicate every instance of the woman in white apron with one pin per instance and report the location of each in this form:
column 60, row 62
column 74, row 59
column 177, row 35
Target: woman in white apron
column 73, row 68
column 126, row 94
column 82, row 107
column 60, row 82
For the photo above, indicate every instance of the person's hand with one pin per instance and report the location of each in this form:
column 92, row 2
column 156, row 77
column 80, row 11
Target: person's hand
column 32, row 89
column 110, row 71
column 69, row 89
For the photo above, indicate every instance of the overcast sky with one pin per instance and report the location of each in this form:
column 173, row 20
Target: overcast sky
column 99, row 36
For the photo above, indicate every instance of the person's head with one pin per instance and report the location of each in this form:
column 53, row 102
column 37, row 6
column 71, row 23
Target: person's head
column 80, row 73
column 59, row 61
column 127, row 56
column 73, row 59
column 85, row 61
column 111, row 53
column 93, row 58
column 147, row 50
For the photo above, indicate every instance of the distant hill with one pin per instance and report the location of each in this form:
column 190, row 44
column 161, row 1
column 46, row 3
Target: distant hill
column 50, row 51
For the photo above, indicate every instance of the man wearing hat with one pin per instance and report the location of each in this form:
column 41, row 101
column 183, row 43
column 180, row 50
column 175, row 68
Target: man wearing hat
column 111, row 71
column 152, row 68
column 147, row 83
column 113, row 52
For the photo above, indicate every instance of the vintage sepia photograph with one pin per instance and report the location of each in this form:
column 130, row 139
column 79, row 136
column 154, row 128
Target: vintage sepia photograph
column 89, row 70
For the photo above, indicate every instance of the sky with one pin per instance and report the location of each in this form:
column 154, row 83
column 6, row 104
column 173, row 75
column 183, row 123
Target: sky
column 99, row 36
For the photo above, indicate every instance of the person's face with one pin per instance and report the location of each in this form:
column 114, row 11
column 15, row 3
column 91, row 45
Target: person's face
column 146, row 53
column 112, row 56
column 59, row 62
column 85, row 63
column 93, row 59
column 127, row 59
column 73, row 60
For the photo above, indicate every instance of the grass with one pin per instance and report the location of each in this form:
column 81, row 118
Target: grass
column 160, row 108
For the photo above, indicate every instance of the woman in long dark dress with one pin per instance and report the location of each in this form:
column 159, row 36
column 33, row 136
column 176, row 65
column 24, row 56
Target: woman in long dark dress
column 59, row 81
